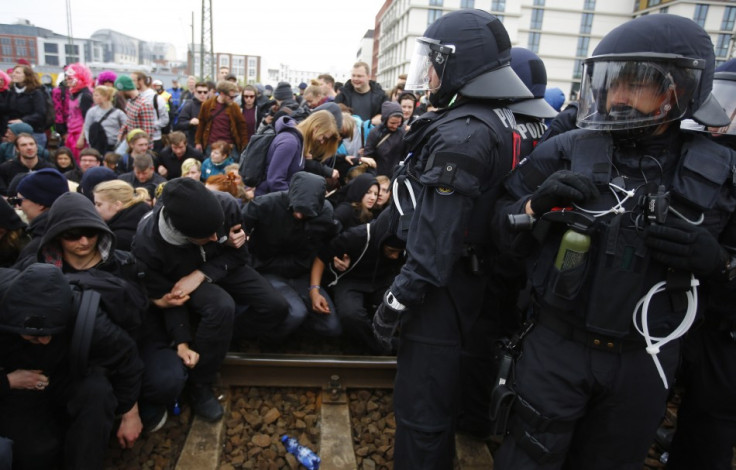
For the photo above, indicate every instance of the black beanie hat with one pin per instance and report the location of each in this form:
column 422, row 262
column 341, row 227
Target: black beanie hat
column 283, row 92
column 358, row 186
column 191, row 208
column 93, row 177
column 43, row 186
column 9, row 220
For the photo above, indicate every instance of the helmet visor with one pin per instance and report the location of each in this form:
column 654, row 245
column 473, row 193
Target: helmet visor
column 627, row 93
column 427, row 66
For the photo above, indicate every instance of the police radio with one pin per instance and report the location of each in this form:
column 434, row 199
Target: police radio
column 656, row 206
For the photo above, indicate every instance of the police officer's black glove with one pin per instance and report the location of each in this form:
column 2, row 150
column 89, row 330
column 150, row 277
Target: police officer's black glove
column 682, row 245
column 561, row 189
column 386, row 321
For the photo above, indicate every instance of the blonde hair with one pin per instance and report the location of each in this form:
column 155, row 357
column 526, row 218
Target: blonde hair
column 106, row 92
column 319, row 124
column 118, row 190
column 188, row 164
column 348, row 126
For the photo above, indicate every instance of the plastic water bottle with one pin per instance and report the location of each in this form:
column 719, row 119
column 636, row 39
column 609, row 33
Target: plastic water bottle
column 304, row 455
column 176, row 408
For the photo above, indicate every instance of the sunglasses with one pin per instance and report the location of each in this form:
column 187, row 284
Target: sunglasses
column 77, row 233
column 15, row 201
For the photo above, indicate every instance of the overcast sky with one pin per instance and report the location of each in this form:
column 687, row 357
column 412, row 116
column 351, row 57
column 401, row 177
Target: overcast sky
column 313, row 36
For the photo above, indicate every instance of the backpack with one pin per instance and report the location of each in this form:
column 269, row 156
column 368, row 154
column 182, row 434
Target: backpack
column 253, row 158
column 167, row 128
column 50, row 115
column 97, row 136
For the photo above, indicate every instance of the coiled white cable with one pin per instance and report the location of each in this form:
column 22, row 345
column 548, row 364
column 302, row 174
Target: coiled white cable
column 654, row 343
column 616, row 209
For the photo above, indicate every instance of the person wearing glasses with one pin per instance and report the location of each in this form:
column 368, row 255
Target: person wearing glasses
column 250, row 108
column 221, row 119
column 188, row 119
column 36, row 193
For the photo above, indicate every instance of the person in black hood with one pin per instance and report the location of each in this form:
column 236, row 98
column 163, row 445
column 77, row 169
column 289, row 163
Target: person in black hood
column 385, row 142
column 13, row 236
column 193, row 253
column 56, row 416
column 374, row 256
column 652, row 217
column 286, row 229
column 361, row 194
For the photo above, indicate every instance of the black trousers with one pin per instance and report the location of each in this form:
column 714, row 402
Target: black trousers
column 68, row 422
column 260, row 308
column 439, row 344
column 352, row 296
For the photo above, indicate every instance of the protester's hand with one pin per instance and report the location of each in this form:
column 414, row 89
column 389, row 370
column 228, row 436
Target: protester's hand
column 22, row 379
column 682, row 245
column 188, row 283
column 170, row 300
column 189, row 357
column 130, row 428
column 341, row 264
column 561, row 189
column 194, row 122
column 236, row 238
column 162, row 171
column 368, row 161
column 319, row 303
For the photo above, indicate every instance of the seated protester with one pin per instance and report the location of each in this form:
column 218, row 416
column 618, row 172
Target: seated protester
column 36, row 193
column 217, row 161
column 408, row 103
column 143, row 175
column 361, row 263
column 88, row 158
column 193, row 252
column 361, row 195
column 63, row 160
column 286, row 229
column 57, row 415
column 172, row 156
column 228, row 183
column 384, row 194
column 385, row 142
column 27, row 160
column 111, row 160
column 92, row 178
column 139, row 143
column 7, row 148
column 121, row 207
column 322, row 160
column 192, row 168
column 13, row 236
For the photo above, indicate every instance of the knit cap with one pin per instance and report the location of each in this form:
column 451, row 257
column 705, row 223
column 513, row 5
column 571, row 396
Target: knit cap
column 192, row 208
column 43, row 186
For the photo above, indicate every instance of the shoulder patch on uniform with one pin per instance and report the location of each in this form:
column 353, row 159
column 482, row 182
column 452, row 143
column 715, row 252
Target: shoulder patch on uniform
column 444, row 190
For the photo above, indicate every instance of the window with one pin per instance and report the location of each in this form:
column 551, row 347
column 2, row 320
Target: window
column 435, row 3
column 72, row 49
column 537, row 17
column 729, row 16
column 5, row 40
column 664, row 10
column 586, row 23
column 701, row 11
column 52, row 60
column 433, row 15
column 51, row 48
column 654, row 3
column 538, row 3
column 20, row 42
column 498, row 5
column 722, row 43
column 21, row 51
column 500, row 17
column 577, row 69
column 583, row 42
column 589, row 5
column 534, row 42
column 7, row 50
column 224, row 61
column 467, row 3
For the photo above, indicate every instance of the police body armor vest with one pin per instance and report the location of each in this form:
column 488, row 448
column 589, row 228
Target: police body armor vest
column 603, row 291
column 408, row 181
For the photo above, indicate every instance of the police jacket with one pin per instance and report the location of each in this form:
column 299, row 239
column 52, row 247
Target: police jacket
column 530, row 130
column 280, row 243
column 600, row 293
column 457, row 158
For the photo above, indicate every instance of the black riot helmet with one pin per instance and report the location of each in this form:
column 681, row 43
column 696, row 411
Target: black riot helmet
column 467, row 52
column 648, row 71
column 531, row 70
column 724, row 90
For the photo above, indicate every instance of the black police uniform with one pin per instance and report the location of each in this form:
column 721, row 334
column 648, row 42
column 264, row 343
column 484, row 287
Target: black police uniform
column 587, row 388
column 458, row 157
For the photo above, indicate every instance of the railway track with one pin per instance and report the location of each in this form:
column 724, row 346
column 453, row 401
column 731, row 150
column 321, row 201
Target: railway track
column 333, row 375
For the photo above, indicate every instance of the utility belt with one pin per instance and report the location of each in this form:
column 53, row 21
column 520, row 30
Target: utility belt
column 578, row 334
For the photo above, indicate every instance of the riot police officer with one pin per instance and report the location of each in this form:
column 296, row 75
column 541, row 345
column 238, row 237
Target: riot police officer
column 457, row 157
column 615, row 279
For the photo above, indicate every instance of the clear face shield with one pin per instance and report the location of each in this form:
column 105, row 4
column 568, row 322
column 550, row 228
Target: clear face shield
column 620, row 93
column 427, row 66
column 724, row 91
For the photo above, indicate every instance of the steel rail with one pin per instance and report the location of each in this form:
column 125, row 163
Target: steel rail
column 297, row 370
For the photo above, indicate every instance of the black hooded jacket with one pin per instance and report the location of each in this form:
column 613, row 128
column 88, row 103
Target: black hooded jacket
column 383, row 145
column 345, row 213
column 280, row 243
column 377, row 95
column 125, row 223
column 111, row 348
